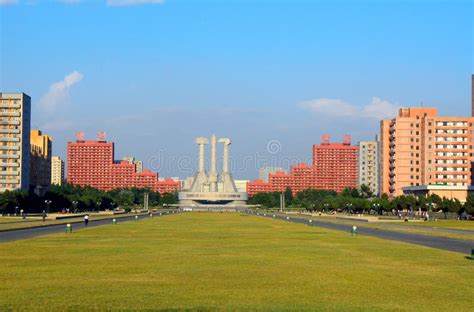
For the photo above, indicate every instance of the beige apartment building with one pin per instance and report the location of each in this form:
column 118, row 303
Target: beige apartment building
column 368, row 158
column 15, row 114
column 420, row 148
column 40, row 163
column 57, row 170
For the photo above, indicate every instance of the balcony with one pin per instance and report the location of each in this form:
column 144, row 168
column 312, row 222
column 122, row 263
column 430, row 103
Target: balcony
column 9, row 105
column 14, row 131
column 6, row 156
column 12, row 173
column 12, row 148
column 9, row 122
column 2, row 164
column 13, row 114
column 7, row 139
column 10, row 181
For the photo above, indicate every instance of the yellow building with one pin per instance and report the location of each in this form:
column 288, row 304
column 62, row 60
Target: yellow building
column 419, row 148
column 40, row 168
column 15, row 116
column 57, row 170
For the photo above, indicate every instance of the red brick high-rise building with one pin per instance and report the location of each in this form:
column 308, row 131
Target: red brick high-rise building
column 336, row 164
column 91, row 163
column 334, row 168
column 472, row 95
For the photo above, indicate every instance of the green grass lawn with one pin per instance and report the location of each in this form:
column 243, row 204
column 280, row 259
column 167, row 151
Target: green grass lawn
column 213, row 261
column 13, row 219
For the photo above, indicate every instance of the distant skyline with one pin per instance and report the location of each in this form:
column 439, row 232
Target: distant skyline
column 271, row 75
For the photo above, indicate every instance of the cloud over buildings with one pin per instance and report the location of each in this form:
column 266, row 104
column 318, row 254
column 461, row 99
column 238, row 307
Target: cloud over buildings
column 58, row 92
column 376, row 109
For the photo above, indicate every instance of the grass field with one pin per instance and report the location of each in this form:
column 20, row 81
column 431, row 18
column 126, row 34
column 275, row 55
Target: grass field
column 212, row 261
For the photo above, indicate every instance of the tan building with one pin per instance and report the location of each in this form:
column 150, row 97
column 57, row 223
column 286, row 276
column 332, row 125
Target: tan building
column 419, row 148
column 15, row 113
column 57, row 170
column 138, row 163
column 40, row 169
column 368, row 173
column 450, row 192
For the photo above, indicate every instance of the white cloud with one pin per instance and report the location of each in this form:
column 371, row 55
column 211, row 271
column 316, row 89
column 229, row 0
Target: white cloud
column 377, row 108
column 58, row 92
column 132, row 2
column 8, row 2
column 380, row 109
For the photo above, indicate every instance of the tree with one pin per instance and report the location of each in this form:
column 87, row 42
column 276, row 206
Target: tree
column 366, row 192
column 469, row 204
column 169, row 198
column 288, row 197
column 124, row 198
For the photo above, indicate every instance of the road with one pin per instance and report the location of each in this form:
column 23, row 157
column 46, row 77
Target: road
column 17, row 234
column 445, row 243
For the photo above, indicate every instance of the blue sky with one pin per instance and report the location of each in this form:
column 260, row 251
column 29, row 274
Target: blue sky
column 264, row 73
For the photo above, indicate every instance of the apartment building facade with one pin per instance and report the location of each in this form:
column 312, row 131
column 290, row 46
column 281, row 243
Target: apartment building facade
column 418, row 148
column 15, row 120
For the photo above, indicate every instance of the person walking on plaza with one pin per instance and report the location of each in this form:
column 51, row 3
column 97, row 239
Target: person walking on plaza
column 86, row 219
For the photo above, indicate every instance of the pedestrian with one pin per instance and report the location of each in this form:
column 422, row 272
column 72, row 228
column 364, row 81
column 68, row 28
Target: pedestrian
column 44, row 216
column 86, row 219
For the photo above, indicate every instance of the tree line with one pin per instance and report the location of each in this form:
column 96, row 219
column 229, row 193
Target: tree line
column 361, row 200
column 76, row 198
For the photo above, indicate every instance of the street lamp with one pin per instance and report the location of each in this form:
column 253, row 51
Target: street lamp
column 48, row 203
column 326, row 207
column 429, row 205
column 349, row 207
column 74, row 204
column 16, row 211
column 98, row 205
column 376, row 208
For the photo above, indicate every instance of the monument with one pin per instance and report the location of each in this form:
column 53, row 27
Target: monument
column 213, row 190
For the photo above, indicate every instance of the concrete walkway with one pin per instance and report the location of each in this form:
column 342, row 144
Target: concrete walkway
column 450, row 244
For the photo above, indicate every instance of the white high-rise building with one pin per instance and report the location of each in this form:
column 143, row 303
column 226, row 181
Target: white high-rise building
column 368, row 172
column 15, row 114
column 57, row 170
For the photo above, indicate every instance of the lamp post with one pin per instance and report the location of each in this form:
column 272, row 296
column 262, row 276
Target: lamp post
column 74, row 205
column 48, row 203
column 16, row 211
column 349, row 207
column 376, row 208
column 326, row 207
column 98, row 205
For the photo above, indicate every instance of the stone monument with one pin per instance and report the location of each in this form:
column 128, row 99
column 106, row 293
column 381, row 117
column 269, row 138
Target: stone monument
column 212, row 190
